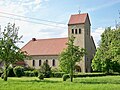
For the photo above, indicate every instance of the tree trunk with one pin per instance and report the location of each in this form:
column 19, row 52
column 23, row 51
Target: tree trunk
column 5, row 72
column 71, row 73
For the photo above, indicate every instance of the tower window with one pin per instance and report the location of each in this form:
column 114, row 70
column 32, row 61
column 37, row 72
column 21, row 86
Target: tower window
column 39, row 62
column 53, row 62
column 79, row 31
column 75, row 31
column 72, row 31
column 33, row 62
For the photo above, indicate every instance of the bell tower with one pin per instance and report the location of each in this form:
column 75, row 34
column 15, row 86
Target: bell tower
column 79, row 27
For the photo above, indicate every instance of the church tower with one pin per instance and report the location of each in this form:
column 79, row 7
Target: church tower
column 79, row 26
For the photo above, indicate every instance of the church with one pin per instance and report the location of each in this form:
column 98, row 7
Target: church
column 49, row 49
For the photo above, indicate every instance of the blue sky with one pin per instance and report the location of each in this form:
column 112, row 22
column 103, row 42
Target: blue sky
column 103, row 13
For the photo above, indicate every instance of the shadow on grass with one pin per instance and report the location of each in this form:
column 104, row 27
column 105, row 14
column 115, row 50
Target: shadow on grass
column 83, row 82
column 46, row 81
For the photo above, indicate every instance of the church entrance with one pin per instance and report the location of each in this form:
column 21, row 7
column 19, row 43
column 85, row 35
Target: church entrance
column 77, row 68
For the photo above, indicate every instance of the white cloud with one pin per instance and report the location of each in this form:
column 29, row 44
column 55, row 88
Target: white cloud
column 27, row 29
column 97, row 35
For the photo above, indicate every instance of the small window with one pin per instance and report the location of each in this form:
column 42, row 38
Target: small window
column 47, row 61
column 72, row 31
column 33, row 62
column 75, row 31
column 79, row 31
column 53, row 62
column 39, row 62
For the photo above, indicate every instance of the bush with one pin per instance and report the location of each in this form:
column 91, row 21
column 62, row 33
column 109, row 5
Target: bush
column 45, row 69
column 58, row 74
column 29, row 68
column 53, row 69
column 89, row 75
column 2, row 76
column 65, row 77
column 41, row 76
column 35, row 72
column 29, row 73
column 18, row 71
column 10, row 72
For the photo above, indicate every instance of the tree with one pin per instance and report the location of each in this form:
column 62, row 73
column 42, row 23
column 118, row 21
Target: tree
column 70, row 56
column 45, row 69
column 108, row 52
column 9, row 52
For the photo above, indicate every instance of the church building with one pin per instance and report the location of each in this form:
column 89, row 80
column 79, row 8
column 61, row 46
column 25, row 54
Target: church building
column 49, row 49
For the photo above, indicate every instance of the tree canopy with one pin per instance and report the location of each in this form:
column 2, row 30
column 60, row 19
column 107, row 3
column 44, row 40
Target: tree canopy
column 9, row 51
column 70, row 56
column 108, row 53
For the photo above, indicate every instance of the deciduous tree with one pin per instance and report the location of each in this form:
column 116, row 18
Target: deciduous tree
column 108, row 52
column 70, row 56
column 9, row 52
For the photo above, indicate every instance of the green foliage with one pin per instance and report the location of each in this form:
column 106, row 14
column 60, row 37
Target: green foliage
column 18, row 71
column 10, row 72
column 31, row 73
column 41, row 76
column 2, row 76
column 58, row 74
column 65, row 77
column 29, row 68
column 45, row 69
column 89, row 75
column 107, row 57
column 70, row 56
column 9, row 52
column 53, row 69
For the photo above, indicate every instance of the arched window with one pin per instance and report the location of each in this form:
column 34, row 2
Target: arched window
column 75, row 31
column 79, row 31
column 53, row 62
column 40, row 62
column 72, row 31
column 47, row 61
column 33, row 62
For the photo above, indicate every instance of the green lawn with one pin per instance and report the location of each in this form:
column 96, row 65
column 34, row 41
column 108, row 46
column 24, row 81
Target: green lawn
column 89, row 83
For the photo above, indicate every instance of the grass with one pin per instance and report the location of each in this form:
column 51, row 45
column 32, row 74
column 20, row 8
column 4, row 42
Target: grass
column 89, row 83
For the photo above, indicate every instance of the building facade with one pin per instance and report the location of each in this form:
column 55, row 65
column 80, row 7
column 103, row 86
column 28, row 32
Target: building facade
column 49, row 49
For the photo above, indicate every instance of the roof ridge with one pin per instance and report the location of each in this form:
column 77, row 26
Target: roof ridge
column 80, row 14
column 52, row 38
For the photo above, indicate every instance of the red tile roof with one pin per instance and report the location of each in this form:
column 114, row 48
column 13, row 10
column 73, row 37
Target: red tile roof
column 45, row 46
column 78, row 18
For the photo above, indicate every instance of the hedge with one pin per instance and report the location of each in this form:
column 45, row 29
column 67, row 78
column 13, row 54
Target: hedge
column 57, row 74
column 31, row 73
column 89, row 75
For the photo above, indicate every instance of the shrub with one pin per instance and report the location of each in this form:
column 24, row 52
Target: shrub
column 89, row 75
column 2, row 76
column 58, row 74
column 10, row 72
column 65, row 77
column 18, row 71
column 53, row 69
column 29, row 68
column 45, row 69
column 35, row 72
column 41, row 76
column 29, row 73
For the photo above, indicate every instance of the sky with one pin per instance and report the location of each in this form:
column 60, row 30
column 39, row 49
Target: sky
column 49, row 18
